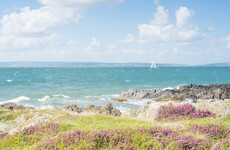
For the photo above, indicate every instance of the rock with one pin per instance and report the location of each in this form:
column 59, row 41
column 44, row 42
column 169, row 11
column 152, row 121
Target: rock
column 39, row 118
column 107, row 109
column 5, row 129
column 120, row 100
column 227, row 100
column 149, row 112
column 192, row 92
column 220, row 107
column 90, row 106
column 20, row 120
column 72, row 107
column 13, row 106
column 173, row 125
column 146, row 113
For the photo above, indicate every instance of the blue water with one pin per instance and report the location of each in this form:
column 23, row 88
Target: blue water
column 54, row 87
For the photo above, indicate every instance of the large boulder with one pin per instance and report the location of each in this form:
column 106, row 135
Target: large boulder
column 13, row 106
column 146, row 113
column 72, row 107
column 220, row 107
column 5, row 129
column 106, row 109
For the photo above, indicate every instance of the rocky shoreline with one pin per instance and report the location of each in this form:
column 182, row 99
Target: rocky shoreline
column 215, row 98
column 190, row 93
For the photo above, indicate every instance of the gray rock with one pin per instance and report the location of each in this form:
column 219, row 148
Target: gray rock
column 72, row 107
column 194, row 92
column 5, row 129
column 173, row 125
column 107, row 109
column 13, row 106
column 20, row 120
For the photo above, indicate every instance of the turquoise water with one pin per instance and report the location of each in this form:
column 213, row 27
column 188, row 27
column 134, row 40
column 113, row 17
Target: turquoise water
column 54, row 87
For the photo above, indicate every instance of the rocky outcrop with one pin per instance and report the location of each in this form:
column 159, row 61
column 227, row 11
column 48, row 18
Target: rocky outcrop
column 186, row 92
column 106, row 109
column 13, row 106
column 149, row 112
column 72, row 107
column 5, row 129
column 220, row 107
column 145, row 113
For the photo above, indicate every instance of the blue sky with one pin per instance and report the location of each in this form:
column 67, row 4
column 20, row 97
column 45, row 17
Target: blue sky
column 169, row 31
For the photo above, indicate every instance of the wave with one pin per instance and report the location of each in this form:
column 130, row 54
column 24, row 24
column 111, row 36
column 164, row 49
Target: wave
column 64, row 96
column 46, row 98
column 139, row 102
column 9, row 80
column 16, row 100
column 47, row 107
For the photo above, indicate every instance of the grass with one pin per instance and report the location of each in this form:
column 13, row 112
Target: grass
column 8, row 116
column 108, row 132
column 99, row 122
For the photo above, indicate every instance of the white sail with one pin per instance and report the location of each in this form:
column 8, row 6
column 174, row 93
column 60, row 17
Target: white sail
column 153, row 65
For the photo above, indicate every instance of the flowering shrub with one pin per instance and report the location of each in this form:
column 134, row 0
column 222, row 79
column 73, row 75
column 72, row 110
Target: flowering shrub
column 188, row 142
column 118, row 139
column 124, row 139
column 216, row 131
column 49, row 128
column 186, row 111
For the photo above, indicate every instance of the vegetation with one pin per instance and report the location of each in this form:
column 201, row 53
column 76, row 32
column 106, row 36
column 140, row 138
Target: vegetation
column 107, row 132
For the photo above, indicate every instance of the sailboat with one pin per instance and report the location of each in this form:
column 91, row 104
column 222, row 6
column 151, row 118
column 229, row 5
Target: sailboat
column 153, row 65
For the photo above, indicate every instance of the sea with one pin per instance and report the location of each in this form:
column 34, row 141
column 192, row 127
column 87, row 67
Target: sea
column 55, row 87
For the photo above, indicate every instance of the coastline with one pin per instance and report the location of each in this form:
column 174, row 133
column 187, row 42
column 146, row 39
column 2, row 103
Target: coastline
column 164, row 113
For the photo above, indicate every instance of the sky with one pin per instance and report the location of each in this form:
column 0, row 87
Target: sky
column 168, row 31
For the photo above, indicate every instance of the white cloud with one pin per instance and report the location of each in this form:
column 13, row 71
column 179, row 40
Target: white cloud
column 94, row 45
column 79, row 3
column 19, row 42
column 161, row 16
column 32, row 21
column 160, row 30
column 36, row 24
column 210, row 29
column 183, row 14
column 129, row 38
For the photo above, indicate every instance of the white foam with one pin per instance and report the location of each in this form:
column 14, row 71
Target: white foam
column 168, row 88
column 102, row 98
column 47, row 107
column 9, row 80
column 127, row 80
column 91, row 96
column 16, row 100
column 122, row 109
column 44, row 99
column 138, row 102
column 115, row 95
column 64, row 96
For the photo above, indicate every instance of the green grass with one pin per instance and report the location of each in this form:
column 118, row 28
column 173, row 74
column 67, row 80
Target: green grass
column 8, row 116
column 99, row 122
